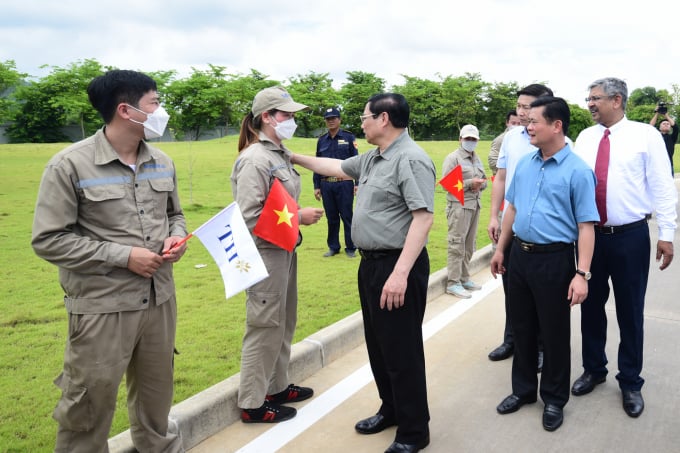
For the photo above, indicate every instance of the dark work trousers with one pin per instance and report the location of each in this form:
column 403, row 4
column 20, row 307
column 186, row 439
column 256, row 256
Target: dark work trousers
column 338, row 199
column 625, row 258
column 538, row 285
column 394, row 340
column 507, row 333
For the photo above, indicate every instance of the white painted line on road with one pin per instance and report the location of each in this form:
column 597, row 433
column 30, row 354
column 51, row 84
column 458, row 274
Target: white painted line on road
column 279, row 435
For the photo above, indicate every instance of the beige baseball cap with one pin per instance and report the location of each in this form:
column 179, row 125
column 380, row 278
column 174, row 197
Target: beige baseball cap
column 469, row 131
column 275, row 98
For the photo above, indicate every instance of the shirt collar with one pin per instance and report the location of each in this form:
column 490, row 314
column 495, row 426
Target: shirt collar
column 558, row 157
column 390, row 150
column 104, row 153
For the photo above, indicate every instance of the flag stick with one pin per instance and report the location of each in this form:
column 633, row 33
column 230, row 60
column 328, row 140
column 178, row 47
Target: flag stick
column 178, row 244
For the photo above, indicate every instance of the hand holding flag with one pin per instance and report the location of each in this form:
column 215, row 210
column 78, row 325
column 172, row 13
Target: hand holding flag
column 278, row 222
column 453, row 183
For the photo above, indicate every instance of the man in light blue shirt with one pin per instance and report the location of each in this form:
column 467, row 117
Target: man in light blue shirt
column 551, row 205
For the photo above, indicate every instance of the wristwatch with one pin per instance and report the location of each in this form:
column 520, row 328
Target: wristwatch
column 585, row 275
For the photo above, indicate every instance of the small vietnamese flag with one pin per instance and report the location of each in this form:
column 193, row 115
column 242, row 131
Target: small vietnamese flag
column 278, row 222
column 453, row 182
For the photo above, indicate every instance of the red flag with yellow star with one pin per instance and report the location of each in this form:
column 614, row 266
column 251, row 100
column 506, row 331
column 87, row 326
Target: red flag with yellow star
column 278, row 222
column 453, row 182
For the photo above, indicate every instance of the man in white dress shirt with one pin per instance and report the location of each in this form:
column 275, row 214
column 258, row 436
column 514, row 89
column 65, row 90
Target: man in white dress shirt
column 638, row 181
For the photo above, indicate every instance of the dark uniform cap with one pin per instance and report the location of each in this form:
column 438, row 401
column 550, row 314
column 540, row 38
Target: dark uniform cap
column 331, row 112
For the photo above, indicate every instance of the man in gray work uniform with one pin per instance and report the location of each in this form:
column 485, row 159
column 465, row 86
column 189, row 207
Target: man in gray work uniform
column 108, row 215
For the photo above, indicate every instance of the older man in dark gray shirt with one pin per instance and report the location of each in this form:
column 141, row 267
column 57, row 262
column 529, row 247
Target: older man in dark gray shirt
column 392, row 219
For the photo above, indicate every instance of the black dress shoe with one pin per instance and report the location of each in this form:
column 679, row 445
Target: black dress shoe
column 502, row 352
column 512, row 404
column 586, row 383
column 374, row 424
column 398, row 447
column 552, row 417
column 633, row 403
column 540, row 362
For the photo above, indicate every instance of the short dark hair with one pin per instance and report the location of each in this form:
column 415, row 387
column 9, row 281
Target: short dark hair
column 555, row 109
column 115, row 87
column 512, row 112
column 394, row 104
column 535, row 90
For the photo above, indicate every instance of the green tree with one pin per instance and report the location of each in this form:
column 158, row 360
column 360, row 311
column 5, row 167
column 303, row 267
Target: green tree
column 70, row 88
column 10, row 79
column 360, row 86
column 315, row 90
column 499, row 99
column 162, row 79
column 642, row 96
column 240, row 91
column 462, row 102
column 424, row 99
column 198, row 103
column 579, row 119
column 55, row 101
column 36, row 121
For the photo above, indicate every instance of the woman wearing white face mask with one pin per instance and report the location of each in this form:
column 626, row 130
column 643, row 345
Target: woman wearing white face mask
column 271, row 305
column 463, row 218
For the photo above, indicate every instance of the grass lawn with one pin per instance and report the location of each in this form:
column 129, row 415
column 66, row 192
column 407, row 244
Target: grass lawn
column 209, row 330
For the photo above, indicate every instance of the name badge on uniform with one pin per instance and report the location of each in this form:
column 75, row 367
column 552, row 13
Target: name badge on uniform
column 342, row 142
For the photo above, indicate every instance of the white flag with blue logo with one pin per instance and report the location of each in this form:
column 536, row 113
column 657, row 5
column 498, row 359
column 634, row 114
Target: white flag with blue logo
column 228, row 240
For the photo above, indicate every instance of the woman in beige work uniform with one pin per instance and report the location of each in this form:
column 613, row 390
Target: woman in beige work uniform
column 271, row 305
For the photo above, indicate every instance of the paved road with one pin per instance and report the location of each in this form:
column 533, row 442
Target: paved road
column 465, row 387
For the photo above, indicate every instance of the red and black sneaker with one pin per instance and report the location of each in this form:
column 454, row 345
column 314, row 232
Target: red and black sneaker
column 268, row 413
column 291, row 395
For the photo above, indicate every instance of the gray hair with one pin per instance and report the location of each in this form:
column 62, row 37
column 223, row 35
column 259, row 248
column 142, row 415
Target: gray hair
column 611, row 87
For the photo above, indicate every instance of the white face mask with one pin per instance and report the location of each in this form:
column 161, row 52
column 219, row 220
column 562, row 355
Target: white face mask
column 155, row 123
column 469, row 145
column 285, row 129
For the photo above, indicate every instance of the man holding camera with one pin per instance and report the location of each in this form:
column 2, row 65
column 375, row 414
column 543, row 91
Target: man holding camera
column 668, row 129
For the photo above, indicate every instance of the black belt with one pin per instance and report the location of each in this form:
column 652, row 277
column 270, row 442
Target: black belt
column 541, row 248
column 619, row 228
column 333, row 179
column 378, row 254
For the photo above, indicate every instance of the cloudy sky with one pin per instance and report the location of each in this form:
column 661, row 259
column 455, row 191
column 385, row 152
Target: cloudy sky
column 565, row 44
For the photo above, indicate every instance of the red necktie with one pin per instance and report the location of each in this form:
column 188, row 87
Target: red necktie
column 601, row 169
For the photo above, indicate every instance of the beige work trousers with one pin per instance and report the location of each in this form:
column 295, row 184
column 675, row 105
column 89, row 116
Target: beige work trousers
column 100, row 348
column 271, row 316
column 462, row 241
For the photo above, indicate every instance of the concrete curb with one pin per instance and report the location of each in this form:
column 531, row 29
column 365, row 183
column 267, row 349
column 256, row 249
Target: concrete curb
column 215, row 408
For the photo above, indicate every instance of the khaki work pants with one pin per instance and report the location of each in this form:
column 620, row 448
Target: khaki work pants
column 271, row 316
column 462, row 241
column 100, row 348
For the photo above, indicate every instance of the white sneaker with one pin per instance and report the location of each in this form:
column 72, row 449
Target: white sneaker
column 457, row 290
column 472, row 286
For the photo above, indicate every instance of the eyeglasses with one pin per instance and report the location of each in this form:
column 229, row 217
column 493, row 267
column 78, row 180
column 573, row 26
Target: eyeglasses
column 367, row 116
column 597, row 98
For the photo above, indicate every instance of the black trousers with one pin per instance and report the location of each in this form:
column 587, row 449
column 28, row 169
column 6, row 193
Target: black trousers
column 537, row 300
column 623, row 257
column 394, row 340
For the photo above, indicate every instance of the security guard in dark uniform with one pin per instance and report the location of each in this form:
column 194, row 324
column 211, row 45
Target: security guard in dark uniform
column 337, row 194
